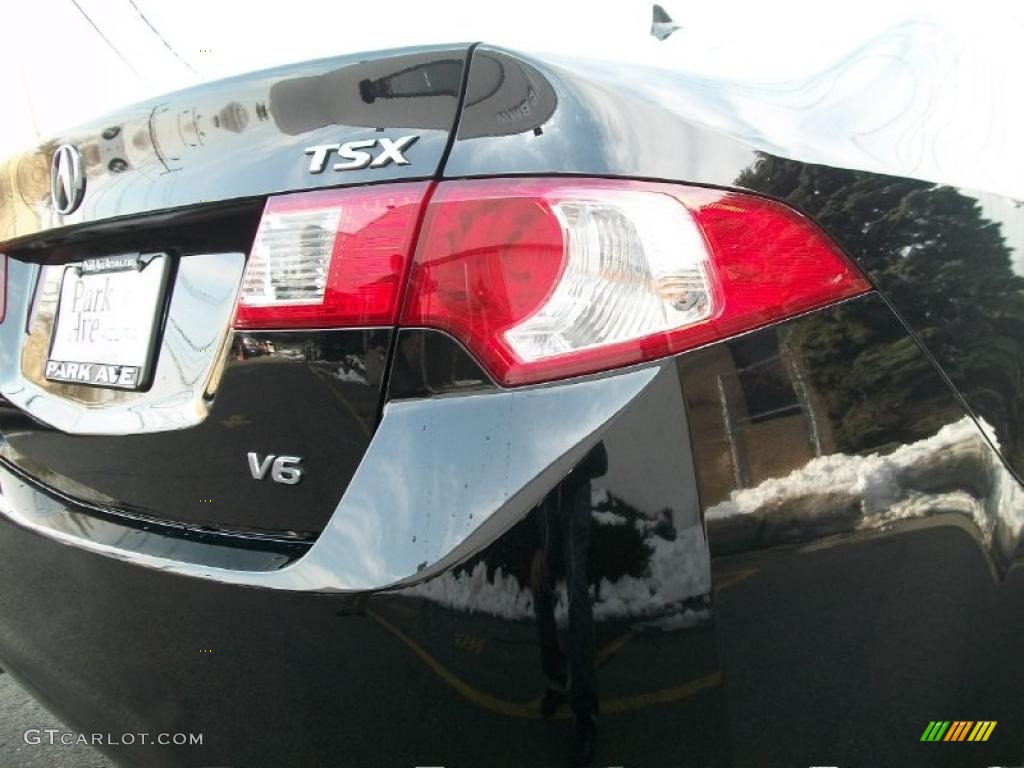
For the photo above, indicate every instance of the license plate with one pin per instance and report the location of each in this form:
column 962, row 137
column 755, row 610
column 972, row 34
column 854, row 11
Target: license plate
column 107, row 321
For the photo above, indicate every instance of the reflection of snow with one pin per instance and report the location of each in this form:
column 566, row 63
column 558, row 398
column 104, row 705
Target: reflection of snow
column 472, row 591
column 351, row 375
column 954, row 470
column 609, row 518
column 674, row 621
column 677, row 571
column 352, row 369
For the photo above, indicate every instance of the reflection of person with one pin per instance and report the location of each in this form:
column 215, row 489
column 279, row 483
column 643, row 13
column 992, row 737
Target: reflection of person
column 563, row 521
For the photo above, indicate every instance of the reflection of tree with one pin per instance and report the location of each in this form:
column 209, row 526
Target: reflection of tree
column 24, row 188
column 948, row 271
column 616, row 549
column 621, row 550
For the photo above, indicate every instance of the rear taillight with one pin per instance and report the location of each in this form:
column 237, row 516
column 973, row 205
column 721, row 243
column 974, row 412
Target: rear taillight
column 542, row 278
column 331, row 259
column 548, row 278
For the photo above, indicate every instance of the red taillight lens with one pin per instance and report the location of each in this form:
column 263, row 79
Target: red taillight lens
column 491, row 261
column 334, row 258
column 541, row 278
column 548, row 278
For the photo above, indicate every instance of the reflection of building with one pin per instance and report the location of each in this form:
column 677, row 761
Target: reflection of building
column 106, row 152
column 435, row 78
column 164, row 136
column 506, row 96
column 753, row 396
column 233, row 116
column 241, row 137
column 371, row 94
column 159, row 140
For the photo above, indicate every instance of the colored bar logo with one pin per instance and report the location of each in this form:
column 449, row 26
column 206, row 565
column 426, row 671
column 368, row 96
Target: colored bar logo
column 958, row 730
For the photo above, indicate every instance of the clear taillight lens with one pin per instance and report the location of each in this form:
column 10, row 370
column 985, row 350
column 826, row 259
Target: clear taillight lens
column 548, row 278
column 632, row 264
column 335, row 258
column 291, row 257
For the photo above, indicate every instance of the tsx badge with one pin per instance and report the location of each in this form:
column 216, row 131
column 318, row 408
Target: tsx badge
column 353, row 155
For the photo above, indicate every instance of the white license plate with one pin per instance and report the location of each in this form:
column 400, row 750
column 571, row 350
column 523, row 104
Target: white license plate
column 107, row 321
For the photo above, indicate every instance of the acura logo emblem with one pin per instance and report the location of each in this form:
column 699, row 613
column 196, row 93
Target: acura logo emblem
column 67, row 182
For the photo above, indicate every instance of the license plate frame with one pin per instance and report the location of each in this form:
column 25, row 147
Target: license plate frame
column 87, row 289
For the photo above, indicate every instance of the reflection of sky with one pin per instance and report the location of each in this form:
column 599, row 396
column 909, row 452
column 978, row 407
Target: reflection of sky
column 1010, row 216
column 904, row 87
column 231, row 165
column 742, row 40
column 917, row 100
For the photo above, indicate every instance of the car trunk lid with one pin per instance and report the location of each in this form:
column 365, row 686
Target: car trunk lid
column 174, row 190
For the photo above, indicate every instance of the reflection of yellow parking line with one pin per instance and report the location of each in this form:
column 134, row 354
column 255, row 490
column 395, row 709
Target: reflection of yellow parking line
column 482, row 700
column 530, row 710
column 319, row 376
column 612, row 648
column 732, row 578
column 600, row 658
column 661, row 696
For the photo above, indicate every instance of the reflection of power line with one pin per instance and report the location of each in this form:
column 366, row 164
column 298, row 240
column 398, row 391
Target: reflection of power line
column 198, row 347
column 107, row 41
column 28, row 101
column 161, row 37
column 199, row 294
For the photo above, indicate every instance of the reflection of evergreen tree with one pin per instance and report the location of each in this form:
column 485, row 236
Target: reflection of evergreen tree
column 948, row 271
column 618, row 550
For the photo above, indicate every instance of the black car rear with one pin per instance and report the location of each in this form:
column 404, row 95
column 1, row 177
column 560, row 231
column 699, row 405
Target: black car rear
column 340, row 392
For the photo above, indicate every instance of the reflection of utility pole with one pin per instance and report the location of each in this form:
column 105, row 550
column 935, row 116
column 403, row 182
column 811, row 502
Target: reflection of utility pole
column 29, row 104
column 106, row 40
column 156, row 32
column 796, row 373
column 738, row 454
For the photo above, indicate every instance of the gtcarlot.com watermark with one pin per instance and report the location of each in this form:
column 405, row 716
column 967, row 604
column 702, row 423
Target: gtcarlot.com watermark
column 55, row 736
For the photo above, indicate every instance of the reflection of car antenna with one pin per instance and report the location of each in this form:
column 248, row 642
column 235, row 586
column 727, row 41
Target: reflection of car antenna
column 661, row 23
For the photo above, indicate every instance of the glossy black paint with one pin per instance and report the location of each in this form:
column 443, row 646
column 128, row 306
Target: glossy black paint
column 452, row 656
column 851, row 614
column 220, row 227
column 580, row 128
column 803, row 549
column 457, row 501
column 952, row 271
column 310, row 394
column 938, row 253
column 245, row 137
column 135, row 534
column 429, row 362
column 867, row 569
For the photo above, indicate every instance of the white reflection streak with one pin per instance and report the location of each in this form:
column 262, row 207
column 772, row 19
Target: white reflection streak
column 917, row 100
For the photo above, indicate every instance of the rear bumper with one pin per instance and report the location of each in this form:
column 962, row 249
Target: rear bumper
column 773, row 581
